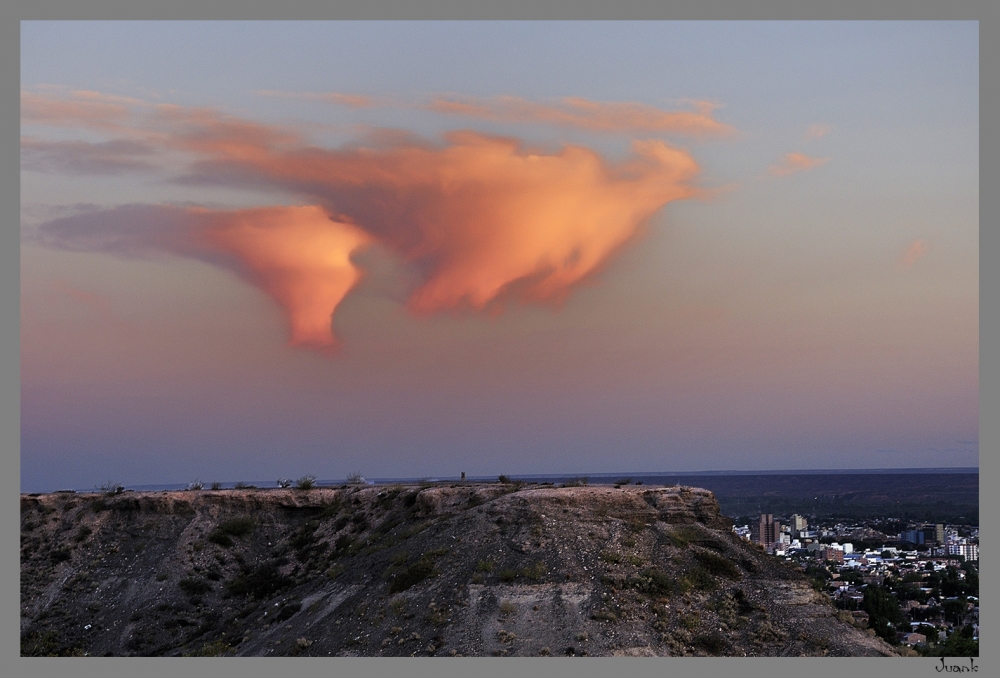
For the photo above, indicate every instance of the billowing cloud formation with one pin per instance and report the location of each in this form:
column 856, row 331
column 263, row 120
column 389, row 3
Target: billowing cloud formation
column 913, row 253
column 795, row 162
column 297, row 255
column 483, row 219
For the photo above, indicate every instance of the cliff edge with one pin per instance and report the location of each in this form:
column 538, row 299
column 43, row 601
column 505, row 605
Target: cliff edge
column 471, row 569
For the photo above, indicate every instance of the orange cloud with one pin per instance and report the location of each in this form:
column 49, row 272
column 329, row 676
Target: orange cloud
column 482, row 219
column 592, row 115
column 795, row 162
column 916, row 251
column 482, row 216
column 297, row 255
column 817, row 131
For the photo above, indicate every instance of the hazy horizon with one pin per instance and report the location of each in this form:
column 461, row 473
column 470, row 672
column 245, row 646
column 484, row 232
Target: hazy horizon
column 415, row 249
column 592, row 478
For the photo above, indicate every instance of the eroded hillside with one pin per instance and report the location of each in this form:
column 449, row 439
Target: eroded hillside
column 460, row 569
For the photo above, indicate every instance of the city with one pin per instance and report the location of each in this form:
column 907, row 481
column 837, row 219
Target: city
column 915, row 585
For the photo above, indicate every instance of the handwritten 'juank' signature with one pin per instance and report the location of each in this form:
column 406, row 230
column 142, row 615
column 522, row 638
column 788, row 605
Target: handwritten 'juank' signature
column 958, row 668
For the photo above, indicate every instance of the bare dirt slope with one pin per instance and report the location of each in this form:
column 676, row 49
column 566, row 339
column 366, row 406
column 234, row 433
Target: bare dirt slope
column 462, row 569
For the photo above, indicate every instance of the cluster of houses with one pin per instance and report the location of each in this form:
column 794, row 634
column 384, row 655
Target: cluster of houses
column 911, row 558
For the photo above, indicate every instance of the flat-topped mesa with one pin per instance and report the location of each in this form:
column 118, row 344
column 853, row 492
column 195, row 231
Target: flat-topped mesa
column 411, row 569
column 676, row 505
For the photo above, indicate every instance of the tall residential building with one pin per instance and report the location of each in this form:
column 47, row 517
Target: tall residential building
column 767, row 530
column 939, row 533
column 970, row 551
column 799, row 523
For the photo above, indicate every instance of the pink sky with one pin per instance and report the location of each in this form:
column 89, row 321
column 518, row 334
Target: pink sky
column 484, row 266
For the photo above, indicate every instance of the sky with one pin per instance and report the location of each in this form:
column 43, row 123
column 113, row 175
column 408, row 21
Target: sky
column 261, row 250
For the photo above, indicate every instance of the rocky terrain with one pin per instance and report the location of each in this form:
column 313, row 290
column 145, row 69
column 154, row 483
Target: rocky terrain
column 463, row 569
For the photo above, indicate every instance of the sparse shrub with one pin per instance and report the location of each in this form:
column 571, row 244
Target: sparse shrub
column 355, row 478
column 342, row 544
column 604, row 614
column 700, row 578
column 610, row 557
column 742, row 603
column 484, row 565
column 111, row 488
column 768, row 633
column 400, row 558
column 305, row 537
column 239, row 526
column 682, row 535
column 60, row 555
column 623, row 481
column 503, row 479
column 713, row 642
column 306, row 482
column 284, row 483
column 507, row 608
column 234, row 527
column 656, row 582
column 196, row 485
column 215, row 485
column 635, row 560
column 507, row 575
column 330, row 509
column 414, row 574
column 690, row 620
column 717, row 565
column 438, row 616
column 535, row 571
column 193, row 586
column 220, row 538
column 244, row 486
column 576, row 482
column 38, row 644
column 82, row 533
column 636, row 526
column 261, row 582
